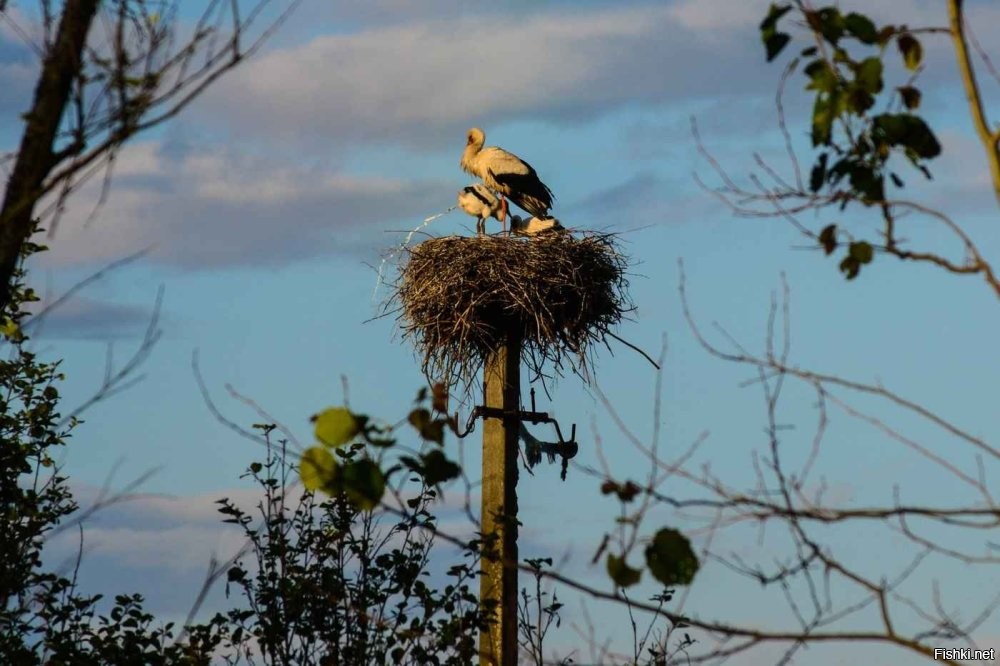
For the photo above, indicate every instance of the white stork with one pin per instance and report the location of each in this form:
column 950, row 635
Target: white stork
column 507, row 174
column 479, row 202
column 534, row 226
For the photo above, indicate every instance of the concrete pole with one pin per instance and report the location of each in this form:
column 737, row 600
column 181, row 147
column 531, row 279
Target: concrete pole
column 498, row 585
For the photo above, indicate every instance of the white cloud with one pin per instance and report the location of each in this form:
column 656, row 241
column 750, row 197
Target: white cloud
column 708, row 15
column 424, row 80
column 219, row 206
column 178, row 549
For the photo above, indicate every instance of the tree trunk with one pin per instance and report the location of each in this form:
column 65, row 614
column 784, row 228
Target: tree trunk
column 36, row 156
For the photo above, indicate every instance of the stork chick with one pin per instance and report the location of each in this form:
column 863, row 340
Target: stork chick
column 535, row 226
column 479, row 202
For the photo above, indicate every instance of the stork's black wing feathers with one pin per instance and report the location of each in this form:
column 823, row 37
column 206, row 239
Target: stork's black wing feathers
column 527, row 191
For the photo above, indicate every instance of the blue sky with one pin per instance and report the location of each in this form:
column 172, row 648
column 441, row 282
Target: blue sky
column 269, row 200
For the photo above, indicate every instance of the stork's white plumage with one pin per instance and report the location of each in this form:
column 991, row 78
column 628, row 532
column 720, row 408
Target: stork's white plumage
column 507, row 174
column 534, row 226
column 479, row 202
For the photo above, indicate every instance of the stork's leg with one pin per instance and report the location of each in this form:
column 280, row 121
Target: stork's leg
column 503, row 212
column 481, row 226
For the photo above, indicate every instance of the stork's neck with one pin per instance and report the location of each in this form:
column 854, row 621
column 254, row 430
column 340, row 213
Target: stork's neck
column 468, row 162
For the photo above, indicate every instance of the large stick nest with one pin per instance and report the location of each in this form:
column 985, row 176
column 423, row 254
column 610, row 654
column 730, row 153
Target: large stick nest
column 456, row 296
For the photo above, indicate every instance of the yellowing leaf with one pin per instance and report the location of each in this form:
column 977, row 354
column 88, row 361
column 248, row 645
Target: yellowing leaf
column 336, row 426
column 10, row 329
column 317, row 468
column 911, row 50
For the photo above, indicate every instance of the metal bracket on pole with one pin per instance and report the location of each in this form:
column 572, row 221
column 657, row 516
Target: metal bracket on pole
column 564, row 448
column 533, row 416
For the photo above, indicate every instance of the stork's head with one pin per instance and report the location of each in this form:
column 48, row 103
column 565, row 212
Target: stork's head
column 476, row 138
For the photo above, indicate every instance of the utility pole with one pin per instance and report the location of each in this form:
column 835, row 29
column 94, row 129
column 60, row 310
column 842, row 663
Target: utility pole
column 501, row 426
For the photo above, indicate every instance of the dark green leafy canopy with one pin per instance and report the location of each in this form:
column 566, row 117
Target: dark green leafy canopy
column 44, row 618
column 846, row 73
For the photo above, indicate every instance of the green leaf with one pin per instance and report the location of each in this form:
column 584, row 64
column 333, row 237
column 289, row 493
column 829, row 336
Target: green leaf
column 869, row 75
column 621, row 573
column 419, row 418
column 828, row 238
column 912, row 51
column 885, row 34
column 434, row 432
column 862, row 252
column 822, row 121
column 774, row 44
column 909, row 131
column 363, row 483
column 850, row 267
column 828, row 22
column 430, row 430
column 867, row 182
column 255, row 468
column 437, row 468
column 336, row 426
column 861, row 27
column 910, row 95
column 822, row 76
column 859, row 100
column 670, row 558
column 774, row 41
column 774, row 14
column 317, row 469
